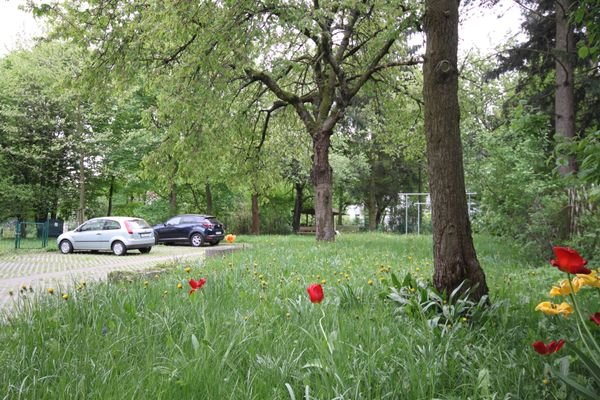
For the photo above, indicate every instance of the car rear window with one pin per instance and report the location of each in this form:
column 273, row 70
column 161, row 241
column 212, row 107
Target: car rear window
column 110, row 224
column 139, row 224
column 214, row 221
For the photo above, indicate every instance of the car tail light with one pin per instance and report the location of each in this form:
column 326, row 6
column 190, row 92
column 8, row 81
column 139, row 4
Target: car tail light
column 128, row 227
column 207, row 225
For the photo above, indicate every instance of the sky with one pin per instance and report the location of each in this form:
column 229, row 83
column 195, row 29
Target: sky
column 482, row 29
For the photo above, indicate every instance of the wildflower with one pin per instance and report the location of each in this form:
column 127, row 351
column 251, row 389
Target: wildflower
column 145, row 283
column 569, row 261
column 564, row 288
column 554, row 309
column 187, row 269
column 595, row 318
column 65, row 296
column 370, row 282
column 315, row 292
column 230, row 238
column 550, row 348
column 196, row 284
column 179, row 285
column 590, row 279
column 50, row 290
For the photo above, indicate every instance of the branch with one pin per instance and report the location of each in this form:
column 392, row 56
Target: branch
column 277, row 105
column 180, row 50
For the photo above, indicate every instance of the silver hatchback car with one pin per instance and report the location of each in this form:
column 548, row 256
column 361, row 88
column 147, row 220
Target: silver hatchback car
column 116, row 234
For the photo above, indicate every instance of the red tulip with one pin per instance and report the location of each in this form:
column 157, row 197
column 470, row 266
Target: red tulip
column 595, row 318
column 550, row 348
column 196, row 284
column 315, row 292
column 569, row 261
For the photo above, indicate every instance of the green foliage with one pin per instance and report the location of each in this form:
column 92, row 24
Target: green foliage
column 251, row 331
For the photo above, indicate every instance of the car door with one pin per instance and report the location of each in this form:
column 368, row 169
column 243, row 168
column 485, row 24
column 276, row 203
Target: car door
column 109, row 231
column 88, row 235
column 169, row 230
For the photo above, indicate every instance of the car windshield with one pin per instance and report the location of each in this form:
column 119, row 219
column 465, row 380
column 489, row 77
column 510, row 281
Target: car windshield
column 139, row 224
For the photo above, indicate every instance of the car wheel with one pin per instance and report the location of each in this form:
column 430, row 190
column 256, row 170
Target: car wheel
column 196, row 240
column 65, row 247
column 119, row 248
column 216, row 242
column 145, row 250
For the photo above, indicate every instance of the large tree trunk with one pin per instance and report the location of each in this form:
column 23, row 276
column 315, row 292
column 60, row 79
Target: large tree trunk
column 454, row 254
column 564, row 100
column 322, row 176
column 255, row 229
column 299, row 189
column 173, row 199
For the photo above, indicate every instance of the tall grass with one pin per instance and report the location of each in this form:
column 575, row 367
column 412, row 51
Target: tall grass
column 252, row 333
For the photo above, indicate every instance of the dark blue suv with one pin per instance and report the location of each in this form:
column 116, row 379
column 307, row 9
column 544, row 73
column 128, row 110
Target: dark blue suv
column 194, row 229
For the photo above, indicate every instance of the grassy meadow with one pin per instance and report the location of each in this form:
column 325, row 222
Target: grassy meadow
column 251, row 332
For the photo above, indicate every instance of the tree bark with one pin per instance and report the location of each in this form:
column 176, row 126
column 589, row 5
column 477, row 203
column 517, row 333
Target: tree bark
column 454, row 256
column 299, row 190
column 111, row 189
column 322, row 175
column 209, row 199
column 564, row 100
column 81, row 210
column 173, row 199
column 255, row 229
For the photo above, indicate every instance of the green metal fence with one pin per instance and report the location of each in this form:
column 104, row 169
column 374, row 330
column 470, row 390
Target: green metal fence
column 24, row 235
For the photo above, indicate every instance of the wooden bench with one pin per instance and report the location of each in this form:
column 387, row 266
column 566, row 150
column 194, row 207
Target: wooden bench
column 307, row 230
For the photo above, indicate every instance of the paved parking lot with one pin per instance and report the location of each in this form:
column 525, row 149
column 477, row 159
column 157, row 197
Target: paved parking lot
column 40, row 270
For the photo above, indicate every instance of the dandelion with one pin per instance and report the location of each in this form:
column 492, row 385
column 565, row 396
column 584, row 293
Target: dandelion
column 370, row 282
column 187, row 269
column 65, row 296
column 179, row 285
column 50, row 290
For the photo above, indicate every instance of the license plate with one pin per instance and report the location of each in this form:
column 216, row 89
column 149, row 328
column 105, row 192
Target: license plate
column 144, row 234
column 218, row 233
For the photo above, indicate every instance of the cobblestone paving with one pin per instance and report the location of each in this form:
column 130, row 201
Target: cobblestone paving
column 53, row 269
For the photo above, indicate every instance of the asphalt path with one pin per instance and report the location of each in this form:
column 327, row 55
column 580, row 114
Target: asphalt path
column 22, row 273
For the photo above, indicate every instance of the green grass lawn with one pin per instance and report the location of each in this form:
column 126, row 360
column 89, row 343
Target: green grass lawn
column 252, row 333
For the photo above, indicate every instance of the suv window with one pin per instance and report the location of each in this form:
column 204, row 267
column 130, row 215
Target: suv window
column 110, row 225
column 173, row 221
column 189, row 220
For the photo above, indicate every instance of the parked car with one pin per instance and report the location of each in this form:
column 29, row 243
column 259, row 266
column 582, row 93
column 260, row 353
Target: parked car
column 116, row 234
column 194, row 229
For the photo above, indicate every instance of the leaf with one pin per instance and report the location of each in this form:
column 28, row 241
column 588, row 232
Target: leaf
column 583, row 52
column 589, row 363
column 195, row 343
column 577, row 386
column 290, row 391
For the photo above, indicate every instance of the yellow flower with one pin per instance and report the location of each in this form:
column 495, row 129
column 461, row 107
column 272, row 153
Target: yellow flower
column 370, row 282
column 187, row 269
column 324, row 281
column 179, row 285
column 50, row 290
column 564, row 288
column 554, row 309
column 65, row 296
column 145, row 283
column 590, row 279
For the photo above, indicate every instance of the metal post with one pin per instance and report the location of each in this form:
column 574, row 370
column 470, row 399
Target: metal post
column 406, row 214
column 418, row 218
